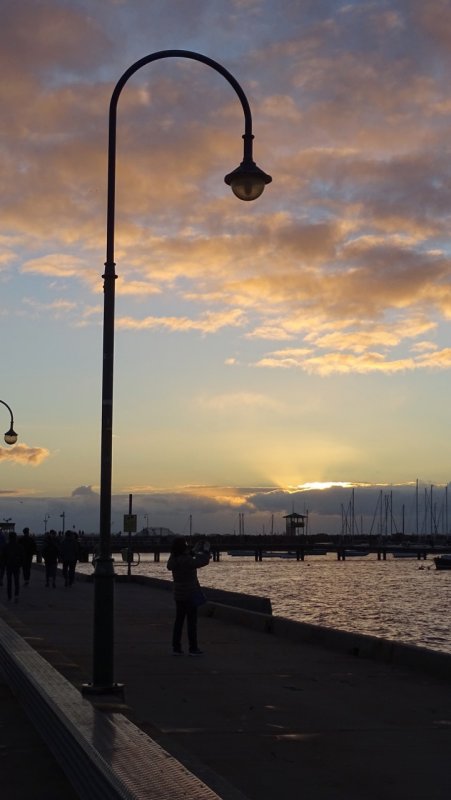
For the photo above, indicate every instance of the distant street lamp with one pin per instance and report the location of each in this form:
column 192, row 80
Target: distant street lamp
column 11, row 435
column 247, row 182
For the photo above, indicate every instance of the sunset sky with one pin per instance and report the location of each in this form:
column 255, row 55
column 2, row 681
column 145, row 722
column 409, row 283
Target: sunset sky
column 263, row 350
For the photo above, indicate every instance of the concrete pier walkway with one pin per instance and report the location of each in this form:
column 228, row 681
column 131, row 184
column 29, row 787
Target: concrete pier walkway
column 259, row 716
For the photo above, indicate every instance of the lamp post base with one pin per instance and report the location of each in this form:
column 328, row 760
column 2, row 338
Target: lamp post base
column 103, row 644
column 91, row 689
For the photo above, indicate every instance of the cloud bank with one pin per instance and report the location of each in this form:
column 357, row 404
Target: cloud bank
column 332, row 508
column 350, row 252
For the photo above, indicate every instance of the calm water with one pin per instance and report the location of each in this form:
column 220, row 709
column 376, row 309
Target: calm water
column 401, row 599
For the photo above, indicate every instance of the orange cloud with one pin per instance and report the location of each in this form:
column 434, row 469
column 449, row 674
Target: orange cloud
column 25, row 455
column 209, row 323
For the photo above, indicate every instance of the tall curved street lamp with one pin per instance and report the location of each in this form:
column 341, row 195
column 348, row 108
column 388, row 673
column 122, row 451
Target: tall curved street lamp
column 247, row 182
column 11, row 435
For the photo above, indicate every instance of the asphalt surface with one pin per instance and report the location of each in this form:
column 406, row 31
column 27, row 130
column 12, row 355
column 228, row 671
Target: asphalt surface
column 274, row 719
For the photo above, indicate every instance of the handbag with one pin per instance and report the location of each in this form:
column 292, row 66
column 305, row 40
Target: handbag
column 198, row 598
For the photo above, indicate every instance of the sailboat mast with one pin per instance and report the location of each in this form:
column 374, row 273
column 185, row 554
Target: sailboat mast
column 416, row 503
column 446, row 509
column 380, row 514
column 432, row 511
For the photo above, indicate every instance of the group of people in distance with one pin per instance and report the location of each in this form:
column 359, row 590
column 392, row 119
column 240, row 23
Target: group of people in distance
column 16, row 556
column 17, row 552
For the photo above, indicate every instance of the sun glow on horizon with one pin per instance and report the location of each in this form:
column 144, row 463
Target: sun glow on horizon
column 320, row 486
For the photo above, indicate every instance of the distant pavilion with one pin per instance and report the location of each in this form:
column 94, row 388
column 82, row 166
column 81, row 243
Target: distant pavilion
column 294, row 523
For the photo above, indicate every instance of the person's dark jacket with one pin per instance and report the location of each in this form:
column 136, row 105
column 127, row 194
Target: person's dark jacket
column 69, row 550
column 12, row 556
column 50, row 552
column 184, row 572
column 28, row 546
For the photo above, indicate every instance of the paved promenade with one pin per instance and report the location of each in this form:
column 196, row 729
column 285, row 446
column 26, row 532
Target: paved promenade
column 259, row 716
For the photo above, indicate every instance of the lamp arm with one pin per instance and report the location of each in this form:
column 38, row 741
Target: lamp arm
column 11, row 413
column 247, row 136
column 195, row 57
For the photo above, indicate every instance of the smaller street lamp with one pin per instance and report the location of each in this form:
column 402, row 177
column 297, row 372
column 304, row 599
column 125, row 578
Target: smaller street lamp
column 11, row 435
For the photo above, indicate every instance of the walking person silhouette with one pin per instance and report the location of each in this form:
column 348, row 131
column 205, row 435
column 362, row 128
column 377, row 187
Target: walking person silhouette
column 50, row 554
column 12, row 557
column 28, row 545
column 69, row 552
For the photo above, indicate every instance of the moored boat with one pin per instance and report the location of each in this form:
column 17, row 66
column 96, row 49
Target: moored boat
column 443, row 562
column 404, row 554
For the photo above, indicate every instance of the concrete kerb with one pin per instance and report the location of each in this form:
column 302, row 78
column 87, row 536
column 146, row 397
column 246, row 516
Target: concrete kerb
column 104, row 755
column 358, row 645
column 251, row 602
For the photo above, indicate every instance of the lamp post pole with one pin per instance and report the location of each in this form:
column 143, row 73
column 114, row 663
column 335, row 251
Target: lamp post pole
column 247, row 182
column 10, row 436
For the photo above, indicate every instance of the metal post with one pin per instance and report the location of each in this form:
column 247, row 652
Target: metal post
column 129, row 546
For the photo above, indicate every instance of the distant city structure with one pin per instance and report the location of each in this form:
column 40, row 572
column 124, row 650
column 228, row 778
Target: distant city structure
column 7, row 527
column 157, row 532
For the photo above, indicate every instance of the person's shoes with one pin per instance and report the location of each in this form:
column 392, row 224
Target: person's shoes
column 177, row 651
column 54, row 585
column 196, row 652
column 26, row 583
column 16, row 599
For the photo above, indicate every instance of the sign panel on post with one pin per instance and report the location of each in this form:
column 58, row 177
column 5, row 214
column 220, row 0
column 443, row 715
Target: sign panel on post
column 130, row 523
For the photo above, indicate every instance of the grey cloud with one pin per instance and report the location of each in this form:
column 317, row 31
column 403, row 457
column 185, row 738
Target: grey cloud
column 84, row 491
